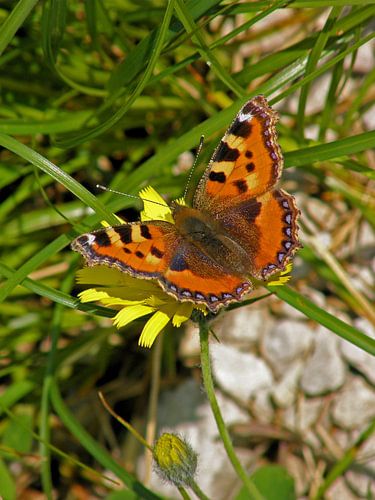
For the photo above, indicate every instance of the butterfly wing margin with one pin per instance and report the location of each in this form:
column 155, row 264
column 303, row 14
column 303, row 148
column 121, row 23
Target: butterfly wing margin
column 193, row 276
column 140, row 249
column 248, row 160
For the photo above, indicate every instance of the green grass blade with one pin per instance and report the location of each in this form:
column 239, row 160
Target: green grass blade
column 334, row 149
column 14, row 21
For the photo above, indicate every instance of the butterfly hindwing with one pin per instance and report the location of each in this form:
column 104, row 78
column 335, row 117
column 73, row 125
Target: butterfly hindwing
column 194, row 276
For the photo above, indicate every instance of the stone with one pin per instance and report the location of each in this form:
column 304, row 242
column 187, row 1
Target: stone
column 289, row 340
column 243, row 326
column 354, row 406
column 363, row 483
column 238, row 373
column 325, row 370
column 303, row 417
column 357, row 357
column 340, row 491
column 285, row 391
column 261, row 406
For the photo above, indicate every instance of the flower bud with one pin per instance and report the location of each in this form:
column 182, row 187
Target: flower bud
column 175, row 460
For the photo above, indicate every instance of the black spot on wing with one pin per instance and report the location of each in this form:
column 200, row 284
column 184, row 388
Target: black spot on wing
column 126, row 250
column 156, row 252
column 241, row 185
column 178, row 263
column 125, row 233
column 240, row 128
column 217, row 177
column 225, row 153
column 139, row 254
column 251, row 209
column 102, row 239
column 249, row 154
column 250, row 167
column 145, row 232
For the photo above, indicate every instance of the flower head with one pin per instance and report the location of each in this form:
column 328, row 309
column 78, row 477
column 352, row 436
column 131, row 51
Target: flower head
column 175, row 460
column 133, row 297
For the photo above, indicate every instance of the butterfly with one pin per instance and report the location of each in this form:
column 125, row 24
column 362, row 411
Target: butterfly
column 240, row 225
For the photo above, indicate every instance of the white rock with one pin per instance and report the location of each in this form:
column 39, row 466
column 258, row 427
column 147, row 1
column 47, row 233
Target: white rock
column 287, row 341
column 362, row 482
column 340, row 491
column 325, row 370
column 288, row 310
column 355, row 405
column 364, row 59
column 369, row 118
column 285, row 391
column 298, row 470
column 240, row 374
column 360, row 359
column 261, row 406
column 302, row 417
column 366, row 237
column 243, row 326
column 180, row 404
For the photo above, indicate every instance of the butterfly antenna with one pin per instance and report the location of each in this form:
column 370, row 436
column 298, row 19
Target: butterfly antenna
column 200, row 146
column 103, row 188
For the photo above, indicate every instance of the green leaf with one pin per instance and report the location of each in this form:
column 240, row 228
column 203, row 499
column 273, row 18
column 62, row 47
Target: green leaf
column 7, row 483
column 273, row 482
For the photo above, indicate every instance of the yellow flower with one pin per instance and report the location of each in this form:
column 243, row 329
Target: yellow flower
column 133, row 297
column 282, row 277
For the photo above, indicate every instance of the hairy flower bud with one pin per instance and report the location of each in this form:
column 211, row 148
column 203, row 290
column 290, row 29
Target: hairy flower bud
column 175, row 460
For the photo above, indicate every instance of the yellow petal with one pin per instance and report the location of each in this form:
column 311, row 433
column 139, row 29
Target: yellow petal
column 92, row 295
column 101, row 275
column 283, row 277
column 182, row 314
column 129, row 314
column 181, row 201
column 153, row 327
column 155, row 208
column 104, row 223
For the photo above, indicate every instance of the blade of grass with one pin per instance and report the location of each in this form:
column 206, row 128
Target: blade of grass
column 205, row 51
column 103, row 126
column 311, row 64
column 14, row 21
column 331, row 150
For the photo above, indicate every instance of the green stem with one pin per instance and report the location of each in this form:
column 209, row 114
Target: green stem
column 198, row 491
column 224, row 434
column 345, row 462
column 184, row 493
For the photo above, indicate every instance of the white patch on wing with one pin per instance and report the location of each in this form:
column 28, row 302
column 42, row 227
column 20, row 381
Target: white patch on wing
column 90, row 238
column 243, row 117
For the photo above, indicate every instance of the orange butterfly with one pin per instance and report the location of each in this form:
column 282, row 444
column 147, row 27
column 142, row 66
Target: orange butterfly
column 240, row 225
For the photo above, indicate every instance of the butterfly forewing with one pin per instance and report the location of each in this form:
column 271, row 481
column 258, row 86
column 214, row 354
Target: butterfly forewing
column 248, row 161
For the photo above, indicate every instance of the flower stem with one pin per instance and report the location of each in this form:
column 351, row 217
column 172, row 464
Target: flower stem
column 198, row 491
column 224, row 434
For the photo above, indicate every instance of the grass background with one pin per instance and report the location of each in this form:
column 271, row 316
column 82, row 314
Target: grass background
column 112, row 93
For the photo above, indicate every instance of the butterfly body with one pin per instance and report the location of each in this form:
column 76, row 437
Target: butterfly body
column 240, row 226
